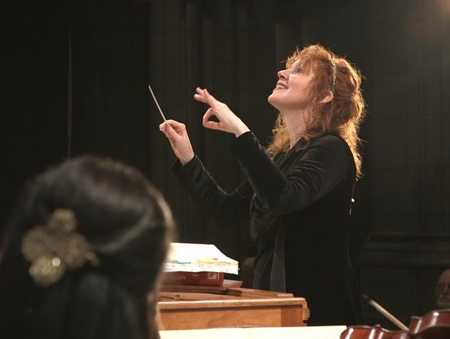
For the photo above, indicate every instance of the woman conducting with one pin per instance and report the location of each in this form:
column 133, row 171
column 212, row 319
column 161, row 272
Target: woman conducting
column 298, row 190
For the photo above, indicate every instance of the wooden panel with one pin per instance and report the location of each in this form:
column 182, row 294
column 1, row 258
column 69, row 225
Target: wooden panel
column 233, row 309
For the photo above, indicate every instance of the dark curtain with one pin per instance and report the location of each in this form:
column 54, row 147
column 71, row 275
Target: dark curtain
column 208, row 44
column 34, row 45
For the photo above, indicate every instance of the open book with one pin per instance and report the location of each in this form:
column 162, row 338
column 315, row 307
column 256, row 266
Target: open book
column 185, row 257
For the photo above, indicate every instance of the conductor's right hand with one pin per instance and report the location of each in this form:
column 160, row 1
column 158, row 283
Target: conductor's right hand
column 179, row 140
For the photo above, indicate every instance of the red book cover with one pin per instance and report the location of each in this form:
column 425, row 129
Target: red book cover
column 193, row 278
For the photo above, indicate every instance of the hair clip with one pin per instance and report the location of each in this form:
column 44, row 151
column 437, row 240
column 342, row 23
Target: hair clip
column 333, row 69
column 55, row 247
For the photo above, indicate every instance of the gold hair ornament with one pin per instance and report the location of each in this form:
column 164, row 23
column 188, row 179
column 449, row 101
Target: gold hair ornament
column 333, row 69
column 56, row 247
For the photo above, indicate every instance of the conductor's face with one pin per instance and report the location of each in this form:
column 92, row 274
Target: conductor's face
column 443, row 290
column 291, row 91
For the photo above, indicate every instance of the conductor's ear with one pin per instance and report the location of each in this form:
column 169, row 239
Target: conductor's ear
column 327, row 98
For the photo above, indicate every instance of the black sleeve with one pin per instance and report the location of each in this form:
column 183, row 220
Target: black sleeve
column 223, row 207
column 312, row 174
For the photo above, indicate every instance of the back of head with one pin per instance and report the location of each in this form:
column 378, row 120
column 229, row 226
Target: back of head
column 125, row 224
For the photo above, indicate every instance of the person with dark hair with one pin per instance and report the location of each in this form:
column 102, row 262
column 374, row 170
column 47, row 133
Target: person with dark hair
column 299, row 189
column 83, row 254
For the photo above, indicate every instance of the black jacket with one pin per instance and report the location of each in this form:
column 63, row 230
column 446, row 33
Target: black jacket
column 300, row 202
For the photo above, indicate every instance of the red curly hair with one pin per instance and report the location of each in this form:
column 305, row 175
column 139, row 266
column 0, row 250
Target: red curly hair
column 342, row 115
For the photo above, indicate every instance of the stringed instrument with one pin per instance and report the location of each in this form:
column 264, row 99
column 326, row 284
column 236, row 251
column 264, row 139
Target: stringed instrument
column 372, row 332
column 433, row 325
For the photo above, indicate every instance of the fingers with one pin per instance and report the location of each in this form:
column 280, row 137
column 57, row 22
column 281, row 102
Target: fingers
column 203, row 95
column 208, row 114
column 168, row 131
column 213, row 125
column 200, row 95
column 172, row 128
column 172, row 123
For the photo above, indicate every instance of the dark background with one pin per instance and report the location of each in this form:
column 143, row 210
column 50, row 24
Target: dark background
column 75, row 77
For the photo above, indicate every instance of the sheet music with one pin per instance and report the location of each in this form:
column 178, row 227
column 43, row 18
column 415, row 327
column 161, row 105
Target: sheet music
column 187, row 257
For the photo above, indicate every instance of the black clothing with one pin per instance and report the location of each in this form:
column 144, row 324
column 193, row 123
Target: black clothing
column 300, row 202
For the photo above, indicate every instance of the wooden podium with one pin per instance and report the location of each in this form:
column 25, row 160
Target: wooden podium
column 200, row 307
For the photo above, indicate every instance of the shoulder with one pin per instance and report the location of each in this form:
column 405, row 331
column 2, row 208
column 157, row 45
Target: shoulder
column 334, row 147
column 329, row 139
column 333, row 142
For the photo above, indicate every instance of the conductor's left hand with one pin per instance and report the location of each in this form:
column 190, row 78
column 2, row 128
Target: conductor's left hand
column 228, row 121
